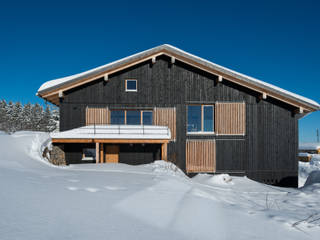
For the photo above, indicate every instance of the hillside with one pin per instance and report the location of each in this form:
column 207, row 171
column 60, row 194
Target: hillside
column 154, row 201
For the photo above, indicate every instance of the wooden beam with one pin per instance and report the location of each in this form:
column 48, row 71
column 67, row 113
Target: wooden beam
column 151, row 141
column 301, row 110
column 264, row 95
column 101, row 153
column 173, row 60
column 97, row 152
column 60, row 94
column 164, row 148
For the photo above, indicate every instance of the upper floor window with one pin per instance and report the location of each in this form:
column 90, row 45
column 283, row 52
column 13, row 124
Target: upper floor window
column 147, row 117
column 131, row 85
column 117, row 117
column 131, row 117
column 200, row 118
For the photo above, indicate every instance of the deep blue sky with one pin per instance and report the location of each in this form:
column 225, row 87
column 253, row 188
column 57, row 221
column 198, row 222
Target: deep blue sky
column 275, row 41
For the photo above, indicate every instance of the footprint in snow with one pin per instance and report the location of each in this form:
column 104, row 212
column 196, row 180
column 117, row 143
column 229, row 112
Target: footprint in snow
column 112, row 188
column 73, row 180
column 92, row 190
column 72, row 188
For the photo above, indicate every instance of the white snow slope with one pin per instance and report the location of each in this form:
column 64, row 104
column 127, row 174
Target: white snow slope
column 154, row 201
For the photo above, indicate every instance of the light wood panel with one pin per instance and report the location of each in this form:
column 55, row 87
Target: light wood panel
column 97, row 152
column 200, row 156
column 112, row 153
column 166, row 117
column 230, row 118
column 97, row 116
column 101, row 158
column 164, row 151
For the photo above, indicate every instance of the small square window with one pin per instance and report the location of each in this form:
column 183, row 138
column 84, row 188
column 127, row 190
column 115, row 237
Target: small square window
column 131, row 85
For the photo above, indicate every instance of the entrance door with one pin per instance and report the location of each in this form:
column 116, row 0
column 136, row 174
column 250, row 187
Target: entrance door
column 112, row 153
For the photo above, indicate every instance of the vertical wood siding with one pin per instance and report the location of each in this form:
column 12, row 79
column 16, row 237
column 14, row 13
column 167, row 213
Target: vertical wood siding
column 201, row 156
column 166, row 117
column 95, row 115
column 230, row 118
column 267, row 151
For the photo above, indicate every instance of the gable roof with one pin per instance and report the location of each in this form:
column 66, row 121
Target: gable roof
column 50, row 90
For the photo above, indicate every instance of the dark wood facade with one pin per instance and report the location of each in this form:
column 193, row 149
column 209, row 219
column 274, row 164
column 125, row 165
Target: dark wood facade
column 268, row 150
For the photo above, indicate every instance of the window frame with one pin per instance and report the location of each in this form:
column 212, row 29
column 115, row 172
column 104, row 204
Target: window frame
column 125, row 116
column 202, row 132
column 131, row 90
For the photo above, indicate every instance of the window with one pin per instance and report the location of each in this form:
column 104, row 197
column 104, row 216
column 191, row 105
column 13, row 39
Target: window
column 88, row 154
column 194, row 118
column 117, row 117
column 131, row 85
column 131, row 117
column 200, row 118
column 147, row 118
column 208, row 118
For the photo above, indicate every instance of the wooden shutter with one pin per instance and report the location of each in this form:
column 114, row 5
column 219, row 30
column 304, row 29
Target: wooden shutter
column 200, row 156
column 230, row 118
column 166, row 117
column 98, row 116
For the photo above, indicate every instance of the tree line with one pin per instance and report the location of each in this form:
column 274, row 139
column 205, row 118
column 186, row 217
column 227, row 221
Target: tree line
column 29, row 117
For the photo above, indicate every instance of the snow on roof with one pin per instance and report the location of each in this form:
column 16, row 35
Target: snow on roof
column 116, row 132
column 50, row 85
column 309, row 146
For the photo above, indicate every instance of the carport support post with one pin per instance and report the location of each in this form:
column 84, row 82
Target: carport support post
column 97, row 152
column 101, row 152
column 164, row 151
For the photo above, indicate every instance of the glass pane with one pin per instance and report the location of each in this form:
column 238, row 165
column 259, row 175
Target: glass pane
column 208, row 118
column 89, row 154
column 131, row 84
column 117, row 117
column 133, row 117
column 147, row 118
column 194, row 118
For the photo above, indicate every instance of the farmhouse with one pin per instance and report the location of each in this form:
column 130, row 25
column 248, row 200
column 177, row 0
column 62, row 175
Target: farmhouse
column 169, row 104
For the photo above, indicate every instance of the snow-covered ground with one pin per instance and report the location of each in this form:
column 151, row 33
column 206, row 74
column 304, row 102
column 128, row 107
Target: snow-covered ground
column 154, row 201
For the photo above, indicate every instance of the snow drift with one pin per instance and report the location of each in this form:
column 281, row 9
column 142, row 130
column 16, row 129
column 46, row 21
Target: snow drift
column 152, row 201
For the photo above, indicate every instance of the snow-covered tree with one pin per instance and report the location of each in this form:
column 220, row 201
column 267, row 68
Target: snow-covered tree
column 3, row 115
column 32, row 117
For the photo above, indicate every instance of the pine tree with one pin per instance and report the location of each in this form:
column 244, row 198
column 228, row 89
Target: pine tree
column 36, row 116
column 3, row 116
column 9, row 113
column 17, row 117
column 27, row 115
column 45, row 120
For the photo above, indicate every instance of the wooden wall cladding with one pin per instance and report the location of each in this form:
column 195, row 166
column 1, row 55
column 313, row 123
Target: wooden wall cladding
column 230, row 118
column 98, row 116
column 166, row 117
column 200, row 156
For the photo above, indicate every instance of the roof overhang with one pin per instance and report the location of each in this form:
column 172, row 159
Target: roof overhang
column 52, row 90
